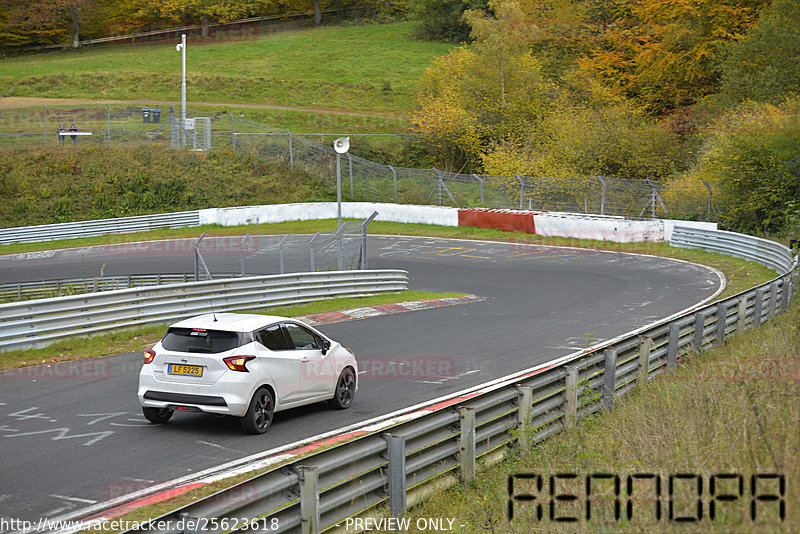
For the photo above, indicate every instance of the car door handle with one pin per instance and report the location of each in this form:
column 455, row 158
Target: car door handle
column 305, row 359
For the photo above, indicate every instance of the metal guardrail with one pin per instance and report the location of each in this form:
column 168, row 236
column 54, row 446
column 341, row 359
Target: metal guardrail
column 122, row 225
column 395, row 465
column 38, row 322
column 774, row 255
column 72, row 286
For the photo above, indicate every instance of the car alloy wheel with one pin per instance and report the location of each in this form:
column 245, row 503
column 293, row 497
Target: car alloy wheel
column 259, row 415
column 345, row 390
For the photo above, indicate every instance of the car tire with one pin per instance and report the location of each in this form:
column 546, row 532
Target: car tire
column 345, row 390
column 157, row 415
column 258, row 417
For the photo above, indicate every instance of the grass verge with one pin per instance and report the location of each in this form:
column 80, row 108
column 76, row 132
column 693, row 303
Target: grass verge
column 733, row 410
column 140, row 338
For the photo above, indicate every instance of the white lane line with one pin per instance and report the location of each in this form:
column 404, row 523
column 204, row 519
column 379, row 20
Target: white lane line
column 73, row 499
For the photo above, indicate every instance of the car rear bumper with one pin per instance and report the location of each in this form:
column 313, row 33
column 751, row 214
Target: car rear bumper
column 225, row 398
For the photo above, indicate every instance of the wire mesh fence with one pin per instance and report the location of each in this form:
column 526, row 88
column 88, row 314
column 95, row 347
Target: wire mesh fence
column 362, row 179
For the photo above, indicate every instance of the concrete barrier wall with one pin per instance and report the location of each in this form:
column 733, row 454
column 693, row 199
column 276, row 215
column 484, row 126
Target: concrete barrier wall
column 327, row 210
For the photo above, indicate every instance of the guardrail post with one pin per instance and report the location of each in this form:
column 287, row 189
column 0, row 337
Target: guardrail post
column 467, row 444
column 759, row 307
column 571, row 397
column 773, row 299
column 524, row 415
column 609, row 378
column 309, row 500
column 645, row 347
column 672, row 348
column 722, row 322
column 699, row 330
column 786, row 289
column 741, row 314
column 396, row 447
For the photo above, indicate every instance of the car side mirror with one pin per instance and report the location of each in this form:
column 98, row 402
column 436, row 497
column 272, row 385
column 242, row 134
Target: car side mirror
column 326, row 345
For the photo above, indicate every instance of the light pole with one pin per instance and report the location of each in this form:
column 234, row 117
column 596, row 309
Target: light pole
column 341, row 146
column 181, row 47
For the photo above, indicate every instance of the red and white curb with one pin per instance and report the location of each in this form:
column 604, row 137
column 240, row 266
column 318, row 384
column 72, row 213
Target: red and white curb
column 386, row 309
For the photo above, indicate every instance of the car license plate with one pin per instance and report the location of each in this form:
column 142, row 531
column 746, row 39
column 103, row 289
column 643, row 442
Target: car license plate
column 192, row 370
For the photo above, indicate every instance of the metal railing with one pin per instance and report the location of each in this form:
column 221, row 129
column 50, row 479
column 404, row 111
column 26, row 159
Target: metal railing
column 121, row 225
column 72, row 286
column 774, row 255
column 39, row 322
column 394, row 464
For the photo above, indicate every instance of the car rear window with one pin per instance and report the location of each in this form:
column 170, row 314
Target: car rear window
column 198, row 340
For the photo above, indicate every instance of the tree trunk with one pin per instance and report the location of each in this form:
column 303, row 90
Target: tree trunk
column 75, row 38
column 205, row 26
column 340, row 8
column 317, row 13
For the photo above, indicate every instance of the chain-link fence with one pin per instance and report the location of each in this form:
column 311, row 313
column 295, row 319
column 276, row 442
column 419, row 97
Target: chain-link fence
column 362, row 179
column 345, row 249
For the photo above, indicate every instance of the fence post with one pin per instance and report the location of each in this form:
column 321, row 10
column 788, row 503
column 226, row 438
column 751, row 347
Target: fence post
column 699, row 330
column 480, row 180
column 309, row 500
column 741, row 314
column 44, row 115
column 394, row 182
column 524, row 415
column 396, row 448
column 773, row 299
column 571, row 397
column 609, row 378
column 645, row 348
column 311, row 252
column 467, row 444
column 708, row 186
column 291, row 150
column 350, row 165
column 108, row 124
column 521, row 190
column 603, row 197
column 722, row 322
column 364, row 239
column 672, row 348
column 281, row 253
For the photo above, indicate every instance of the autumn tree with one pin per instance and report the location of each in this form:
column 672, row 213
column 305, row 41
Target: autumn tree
column 475, row 96
column 665, row 54
column 764, row 65
column 44, row 21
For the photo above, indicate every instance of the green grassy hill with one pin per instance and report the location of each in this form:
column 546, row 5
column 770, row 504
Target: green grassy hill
column 47, row 185
column 367, row 68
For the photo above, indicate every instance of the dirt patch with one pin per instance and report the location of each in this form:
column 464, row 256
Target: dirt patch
column 24, row 101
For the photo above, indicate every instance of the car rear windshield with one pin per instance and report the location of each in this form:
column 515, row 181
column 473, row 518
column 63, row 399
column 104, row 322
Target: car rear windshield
column 198, row 340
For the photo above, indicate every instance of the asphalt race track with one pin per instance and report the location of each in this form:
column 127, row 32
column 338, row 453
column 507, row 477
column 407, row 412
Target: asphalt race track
column 73, row 435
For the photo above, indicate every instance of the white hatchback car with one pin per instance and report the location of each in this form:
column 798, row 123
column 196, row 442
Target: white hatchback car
column 245, row 365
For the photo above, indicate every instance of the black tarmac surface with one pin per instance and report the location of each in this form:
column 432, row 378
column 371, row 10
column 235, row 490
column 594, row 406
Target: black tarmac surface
column 72, row 435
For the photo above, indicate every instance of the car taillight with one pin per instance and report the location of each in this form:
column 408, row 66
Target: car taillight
column 149, row 354
column 238, row 363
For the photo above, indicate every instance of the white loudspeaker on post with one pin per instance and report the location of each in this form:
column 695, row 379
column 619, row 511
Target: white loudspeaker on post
column 341, row 145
